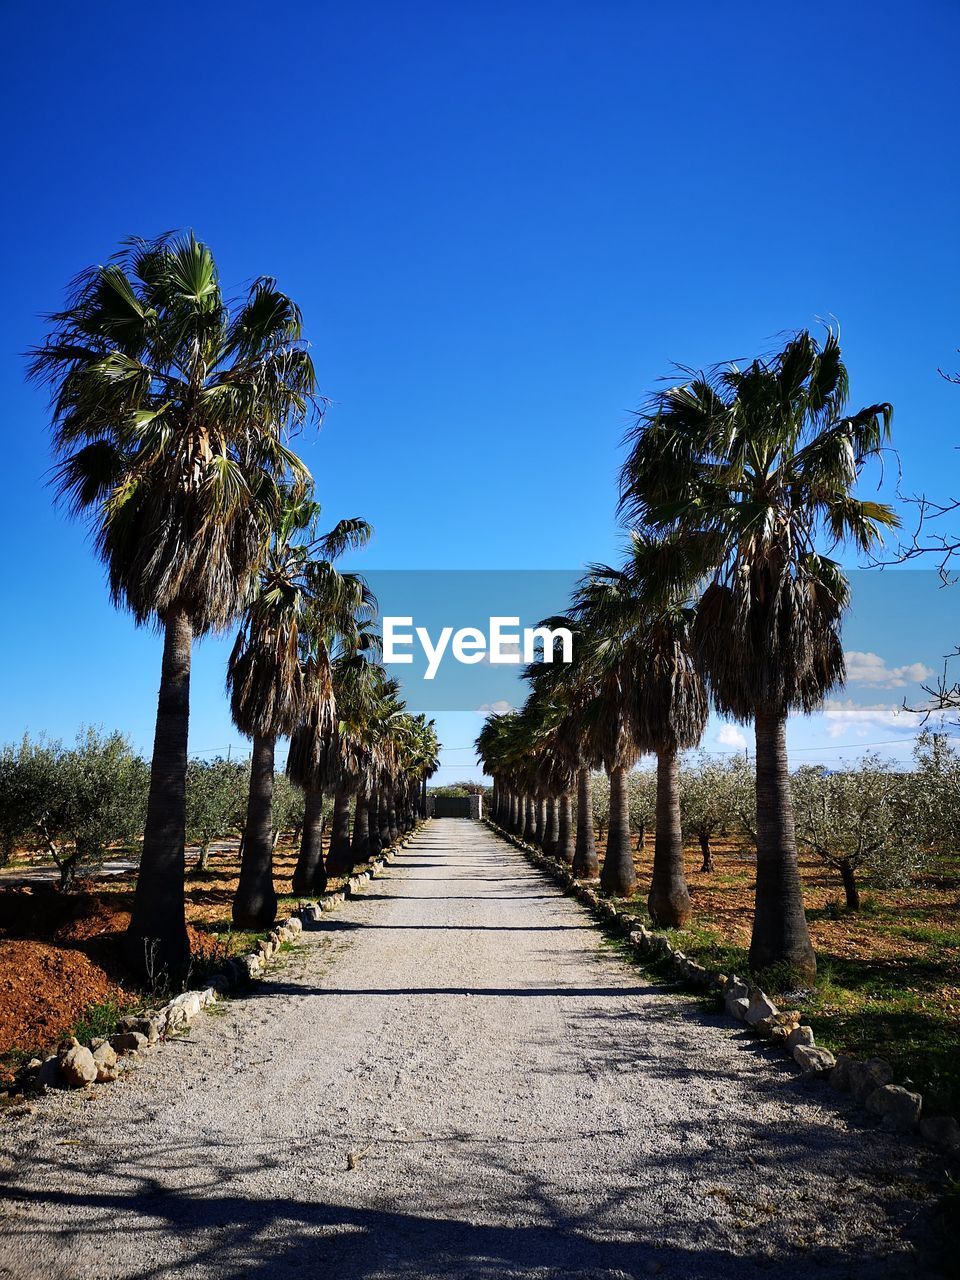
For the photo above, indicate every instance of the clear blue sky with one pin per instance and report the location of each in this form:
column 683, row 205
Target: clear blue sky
column 503, row 222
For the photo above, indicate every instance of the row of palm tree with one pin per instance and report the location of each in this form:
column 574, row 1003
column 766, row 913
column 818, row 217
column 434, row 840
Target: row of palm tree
column 738, row 489
column 173, row 412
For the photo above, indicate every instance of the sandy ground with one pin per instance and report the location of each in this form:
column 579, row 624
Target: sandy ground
column 516, row 1101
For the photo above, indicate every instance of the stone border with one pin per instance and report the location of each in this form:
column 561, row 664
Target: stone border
column 102, row 1059
column 870, row 1082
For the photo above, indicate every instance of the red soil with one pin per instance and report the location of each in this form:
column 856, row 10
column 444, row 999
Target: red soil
column 61, row 953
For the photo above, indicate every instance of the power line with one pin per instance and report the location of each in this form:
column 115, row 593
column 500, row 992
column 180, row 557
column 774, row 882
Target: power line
column 835, row 746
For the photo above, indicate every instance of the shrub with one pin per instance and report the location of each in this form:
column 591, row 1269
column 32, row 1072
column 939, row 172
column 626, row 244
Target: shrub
column 73, row 804
column 865, row 817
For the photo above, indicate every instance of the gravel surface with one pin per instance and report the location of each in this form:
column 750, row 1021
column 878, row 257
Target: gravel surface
column 455, row 1077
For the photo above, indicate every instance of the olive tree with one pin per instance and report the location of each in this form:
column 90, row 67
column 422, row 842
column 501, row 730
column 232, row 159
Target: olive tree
column 28, row 779
column 865, row 818
column 710, row 791
column 288, row 808
column 102, row 800
column 937, row 780
column 74, row 804
column 642, row 803
column 216, row 794
column 600, row 802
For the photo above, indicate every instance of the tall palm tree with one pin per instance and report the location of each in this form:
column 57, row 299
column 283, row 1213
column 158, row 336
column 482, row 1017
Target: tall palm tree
column 419, row 760
column 323, row 744
column 605, row 720
column 574, row 747
column 299, row 595
column 171, row 410
column 755, row 469
column 645, row 605
column 364, row 694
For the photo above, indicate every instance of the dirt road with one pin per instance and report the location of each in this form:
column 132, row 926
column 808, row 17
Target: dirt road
column 453, row 1077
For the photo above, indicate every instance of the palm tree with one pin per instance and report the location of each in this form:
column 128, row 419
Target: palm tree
column 313, row 763
column 574, row 751
column 300, row 598
column 171, row 408
column 419, row 761
column 364, row 696
column 645, row 606
column 755, row 470
column 606, row 681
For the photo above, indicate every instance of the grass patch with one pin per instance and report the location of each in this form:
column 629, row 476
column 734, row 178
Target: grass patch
column 100, row 1020
column 888, row 980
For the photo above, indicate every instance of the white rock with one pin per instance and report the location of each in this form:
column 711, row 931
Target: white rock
column 800, row 1037
column 813, row 1060
column 189, row 1002
column 761, row 1006
column 899, row 1107
column 867, row 1076
column 49, row 1074
column 129, row 1042
column 172, row 1017
column 77, row 1066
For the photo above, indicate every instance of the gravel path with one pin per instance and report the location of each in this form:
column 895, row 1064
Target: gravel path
column 516, row 1101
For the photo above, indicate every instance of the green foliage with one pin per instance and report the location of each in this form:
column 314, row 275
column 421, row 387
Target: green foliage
column 288, row 804
column 642, row 800
column 216, row 799
column 864, row 816
column 709, row 795
column 466, row 788
column 27, row 779
column 938, row 790
column 100, row 1019
column 73, row 804
column 171, row 408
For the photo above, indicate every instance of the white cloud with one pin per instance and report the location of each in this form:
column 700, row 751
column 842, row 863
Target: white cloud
column 847, row 717
column 509, row 649
column 728, row 735
column 494, row 708
column 872, row 670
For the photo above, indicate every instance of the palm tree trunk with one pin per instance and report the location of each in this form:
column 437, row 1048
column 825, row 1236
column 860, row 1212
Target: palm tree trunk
column 585, row 864
column 310, row 875
column 539, row 821
column 255, row 902
column 384, row 817
column 156, row 941
column 618, row 878
column 529, row 820
column 339, row 859
column 373, row 824
column 361, row 829
column 668, row 901
column 551, row 827
column 780, row 935
column 394, row 829
column 566, row 836
column 423, row 798
column 514, row 822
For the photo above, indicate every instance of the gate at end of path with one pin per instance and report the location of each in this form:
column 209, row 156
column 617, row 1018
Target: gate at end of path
column 455, row 807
